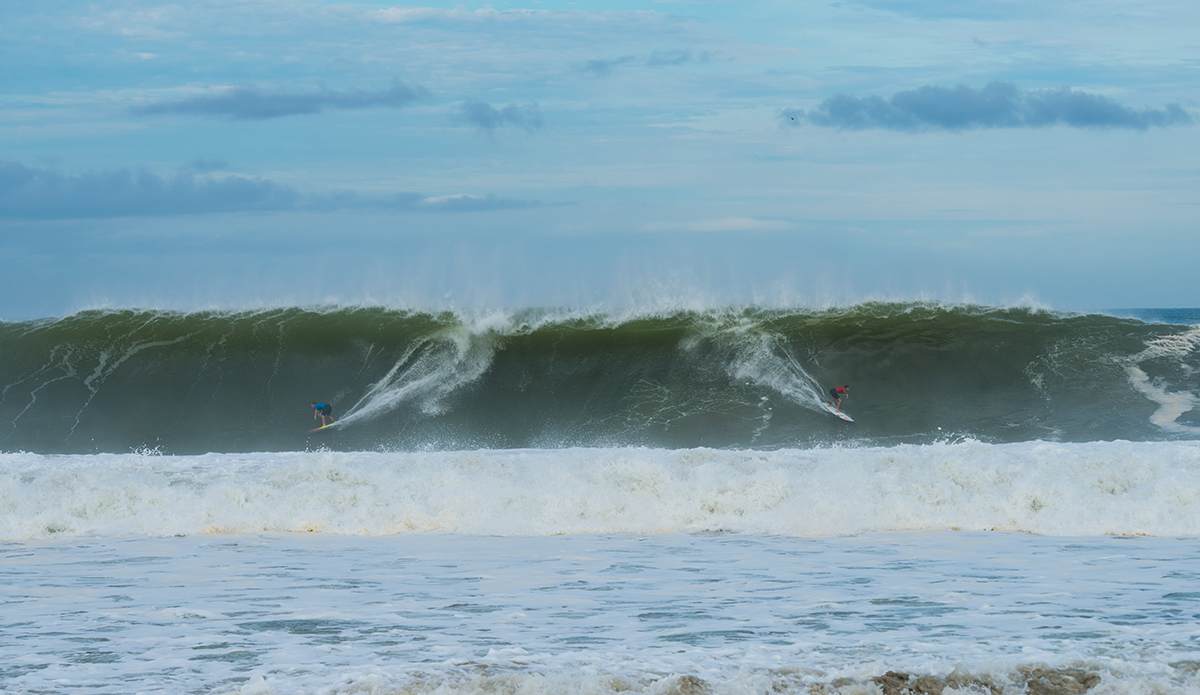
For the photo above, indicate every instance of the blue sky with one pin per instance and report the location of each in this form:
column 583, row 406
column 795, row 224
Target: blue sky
column 240, row 153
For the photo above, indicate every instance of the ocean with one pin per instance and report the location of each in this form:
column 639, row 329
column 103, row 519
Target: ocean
column 592, row 502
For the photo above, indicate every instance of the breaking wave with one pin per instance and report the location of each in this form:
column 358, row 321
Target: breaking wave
column 117, row 381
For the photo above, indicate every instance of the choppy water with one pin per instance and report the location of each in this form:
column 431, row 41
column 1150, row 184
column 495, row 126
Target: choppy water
column 663, row 613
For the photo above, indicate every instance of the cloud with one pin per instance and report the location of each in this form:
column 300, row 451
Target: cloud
column 457, row 202
column 673, row 57
column 205, row 166
column 249, row 102
column 604, row 68
column 40, row 194
column 997, row 105
column 487, row 117
column 657, row 59
column 27, row 193
column 464, row 202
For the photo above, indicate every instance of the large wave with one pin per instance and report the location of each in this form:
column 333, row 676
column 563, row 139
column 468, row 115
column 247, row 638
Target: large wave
column 116, row 381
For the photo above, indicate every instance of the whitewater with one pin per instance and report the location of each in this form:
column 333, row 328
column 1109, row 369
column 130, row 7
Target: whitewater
column 1112, row 488
column 587, row 502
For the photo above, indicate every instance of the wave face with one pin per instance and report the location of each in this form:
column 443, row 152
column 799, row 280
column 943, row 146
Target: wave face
column 116, row 381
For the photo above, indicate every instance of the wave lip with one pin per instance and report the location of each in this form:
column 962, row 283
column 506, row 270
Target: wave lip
column 1103, row 488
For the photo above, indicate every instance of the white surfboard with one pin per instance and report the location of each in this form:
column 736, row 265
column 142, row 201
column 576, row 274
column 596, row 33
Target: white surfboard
column 837, row 412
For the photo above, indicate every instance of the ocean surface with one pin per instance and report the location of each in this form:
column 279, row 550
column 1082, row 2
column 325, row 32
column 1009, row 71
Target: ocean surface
column 570, row 501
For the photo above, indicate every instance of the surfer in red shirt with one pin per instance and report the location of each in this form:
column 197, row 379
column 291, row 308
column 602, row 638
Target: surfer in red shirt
column 838, row 393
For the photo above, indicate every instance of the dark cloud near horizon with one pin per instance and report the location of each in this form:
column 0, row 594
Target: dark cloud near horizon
column 249, row 102
column 997, row 105
column 488, row 118
column 40, row 194
column 657, row 59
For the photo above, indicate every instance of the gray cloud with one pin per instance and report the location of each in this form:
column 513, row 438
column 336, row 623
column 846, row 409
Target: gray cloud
column 487, row 117
column 657, row 59
column 39, row 194
column 673, row 57
column 27, row 193
column 249, row 102
column 604, row 68
column 997, row 105
column 207, row 166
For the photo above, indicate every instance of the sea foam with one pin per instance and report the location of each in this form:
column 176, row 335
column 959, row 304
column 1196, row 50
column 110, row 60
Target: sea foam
column 1102, row 488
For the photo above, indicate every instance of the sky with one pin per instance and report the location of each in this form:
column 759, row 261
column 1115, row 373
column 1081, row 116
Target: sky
column 238, row 154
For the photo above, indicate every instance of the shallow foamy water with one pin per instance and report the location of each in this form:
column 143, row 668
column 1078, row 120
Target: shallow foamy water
column 308, row 613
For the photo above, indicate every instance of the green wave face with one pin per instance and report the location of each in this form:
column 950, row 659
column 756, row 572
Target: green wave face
column 115, row 381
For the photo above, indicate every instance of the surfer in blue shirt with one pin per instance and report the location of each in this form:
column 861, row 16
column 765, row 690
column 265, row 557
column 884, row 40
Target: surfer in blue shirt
column 325, row 411
column 838, row 393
